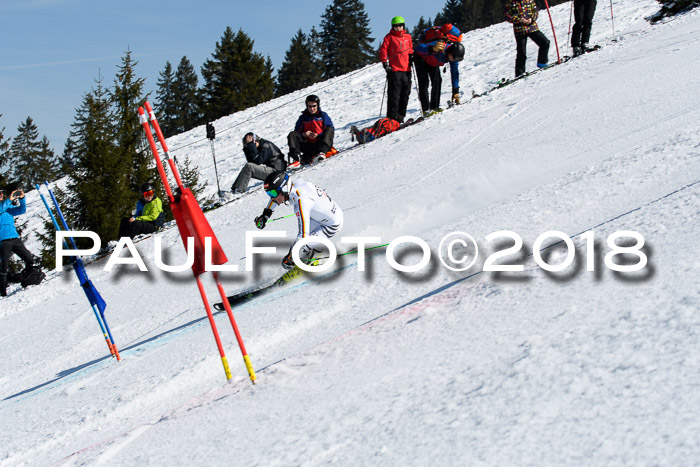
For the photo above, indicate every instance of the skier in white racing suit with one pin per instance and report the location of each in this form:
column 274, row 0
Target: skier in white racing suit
column 317, row 215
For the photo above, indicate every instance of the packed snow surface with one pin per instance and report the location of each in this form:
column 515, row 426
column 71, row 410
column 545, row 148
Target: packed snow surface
column 434, row 367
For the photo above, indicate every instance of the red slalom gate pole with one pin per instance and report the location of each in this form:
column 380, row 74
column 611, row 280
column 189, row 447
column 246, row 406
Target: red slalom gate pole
column 556, row 45
column 210, row 316
column 229, row 312
column 163, row 144
column 193, row 224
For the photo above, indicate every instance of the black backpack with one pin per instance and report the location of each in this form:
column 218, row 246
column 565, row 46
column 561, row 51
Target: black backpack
column 31, row 276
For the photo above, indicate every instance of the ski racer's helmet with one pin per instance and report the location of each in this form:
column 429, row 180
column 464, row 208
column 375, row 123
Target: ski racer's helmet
column 457, row 51
column 313, row 98
column 276, row 184
column 398, row 20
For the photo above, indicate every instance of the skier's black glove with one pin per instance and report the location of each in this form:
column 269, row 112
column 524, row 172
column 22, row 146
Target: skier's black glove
column 387, row 67
column 410, row 60
column 261, row 220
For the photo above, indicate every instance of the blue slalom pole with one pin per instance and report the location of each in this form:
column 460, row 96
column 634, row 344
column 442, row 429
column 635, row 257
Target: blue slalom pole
column 97, row 303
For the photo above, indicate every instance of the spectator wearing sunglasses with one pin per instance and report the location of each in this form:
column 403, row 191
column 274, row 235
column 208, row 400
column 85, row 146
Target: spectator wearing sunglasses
column 313, row 135
column 148, row 218
column 263, row 158
column 396, row 55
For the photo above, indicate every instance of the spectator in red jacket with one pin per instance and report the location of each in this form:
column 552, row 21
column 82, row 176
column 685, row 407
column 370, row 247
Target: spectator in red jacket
column 438, row 45
column 313, row 134
column 395, row 54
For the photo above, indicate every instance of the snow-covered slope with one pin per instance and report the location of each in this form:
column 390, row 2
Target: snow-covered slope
column 428, row 368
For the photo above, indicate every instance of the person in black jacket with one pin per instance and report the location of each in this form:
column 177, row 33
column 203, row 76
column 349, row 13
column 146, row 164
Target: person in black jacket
column 583, row 21
column 263, row 159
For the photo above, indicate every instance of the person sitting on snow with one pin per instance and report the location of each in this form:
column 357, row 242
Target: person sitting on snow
column 317, row 215
column 312, row 138
column 263, row 158
column 149, row 216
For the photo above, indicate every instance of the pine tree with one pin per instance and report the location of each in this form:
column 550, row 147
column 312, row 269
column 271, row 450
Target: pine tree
column 236, row 77
column 165, row 105
column 32, row 160
column 188, row 103
column 453, row 12
column 4, row 159
column 127, row 96
column 299, row 68
column 47, row 166
column 68, row 158
column 189, row 174
column 99, row 187
column 419, row 28
column 345, row 43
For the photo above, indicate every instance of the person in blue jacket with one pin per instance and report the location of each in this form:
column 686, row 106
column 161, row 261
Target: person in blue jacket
column 429, row 56
column 9, row 238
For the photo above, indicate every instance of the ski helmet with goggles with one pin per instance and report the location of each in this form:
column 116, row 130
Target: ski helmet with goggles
column 276, row 184
column 147, row 188
column 313, row 98
column 398, row 20
column 457, row 51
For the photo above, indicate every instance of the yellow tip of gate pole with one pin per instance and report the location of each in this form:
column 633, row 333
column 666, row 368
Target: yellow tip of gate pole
column 227, row 370
column 249, row 366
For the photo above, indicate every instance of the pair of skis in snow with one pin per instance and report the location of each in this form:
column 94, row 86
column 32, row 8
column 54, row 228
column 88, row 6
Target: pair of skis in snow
column 506, row 81
column 286, row 279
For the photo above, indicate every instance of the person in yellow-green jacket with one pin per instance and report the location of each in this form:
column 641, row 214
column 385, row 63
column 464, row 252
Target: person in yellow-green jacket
column 148, row 217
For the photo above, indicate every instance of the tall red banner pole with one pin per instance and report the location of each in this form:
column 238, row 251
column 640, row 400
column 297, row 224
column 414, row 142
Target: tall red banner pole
column 192, row 223
column 553, row 32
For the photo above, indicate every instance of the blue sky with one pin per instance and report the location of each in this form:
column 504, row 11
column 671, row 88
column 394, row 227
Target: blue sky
column 53, row 50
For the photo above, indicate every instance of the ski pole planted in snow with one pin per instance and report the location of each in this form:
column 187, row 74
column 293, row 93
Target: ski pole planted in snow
column 556, row 45
column 612, row 19
column 211, row 135
column 96, row 302
column 192, row 223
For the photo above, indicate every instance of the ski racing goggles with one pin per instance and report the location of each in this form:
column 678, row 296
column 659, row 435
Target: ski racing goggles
column 275, row 192
column 148, row 193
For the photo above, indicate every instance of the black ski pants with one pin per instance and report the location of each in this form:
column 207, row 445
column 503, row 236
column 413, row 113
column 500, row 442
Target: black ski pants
column 14, row 245
column 583, row 22
column 428, row 75
column 521, row 44
column 399, row 90
column 300, row 146
column 137, row 227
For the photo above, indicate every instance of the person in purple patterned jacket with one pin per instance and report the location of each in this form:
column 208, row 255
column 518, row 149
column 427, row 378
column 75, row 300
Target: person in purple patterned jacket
column 523, row 15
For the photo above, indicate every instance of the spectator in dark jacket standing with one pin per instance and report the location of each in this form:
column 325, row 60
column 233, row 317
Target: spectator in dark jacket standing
column 313, row 135
column 9, row 238
column 523, row 15
column 583, row 22
column 263, row 158
column 395, row 53
column 431, row 54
